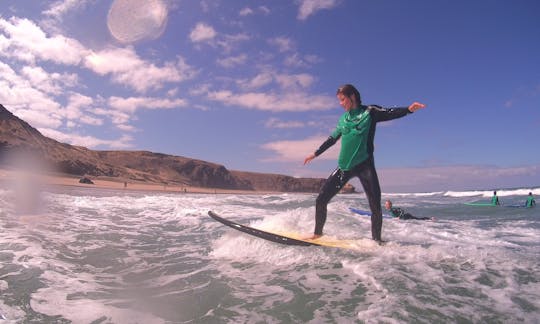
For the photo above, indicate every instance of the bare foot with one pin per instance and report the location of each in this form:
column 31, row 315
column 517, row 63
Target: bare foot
column 312, row 237
column 380, row 242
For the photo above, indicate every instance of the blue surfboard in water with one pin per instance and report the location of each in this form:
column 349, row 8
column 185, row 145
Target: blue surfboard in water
column 366, row 212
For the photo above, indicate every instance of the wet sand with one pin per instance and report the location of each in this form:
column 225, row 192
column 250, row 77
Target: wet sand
column 14, row 176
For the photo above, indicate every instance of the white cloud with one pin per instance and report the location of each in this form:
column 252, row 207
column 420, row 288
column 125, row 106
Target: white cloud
column 260, row 80
column 232, row 61
column 131, row 104
column 229, row 42
column 87, row 141
column 27, row 42
column 310, row 7
column 27, row 102
column 249, row 11
column 127, row 68
column 119, row 118
column 298, row 60
column 276, row 123
column 126, row 128
column 295, row 151
column 51, row 83
column 60, row 8
column 23, row 40
column 264, row 9
column 202, row 33
column 56, row 12
column 273, row 102
column 76, row 103
column 287, row 82
column 78, row 110
column 294, row 81
column 38, row 117
column 89, row 120
column 293, row 58
column 283, row 44
column 246, row 12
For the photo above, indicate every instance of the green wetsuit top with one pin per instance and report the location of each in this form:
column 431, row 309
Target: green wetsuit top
column 397, row 212
column 530, row 202
column 356, row 128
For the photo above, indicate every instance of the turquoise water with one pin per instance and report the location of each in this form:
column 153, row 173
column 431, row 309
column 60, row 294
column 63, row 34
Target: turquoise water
column 105, row 256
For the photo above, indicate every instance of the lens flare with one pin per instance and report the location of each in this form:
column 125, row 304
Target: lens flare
column 130, row 21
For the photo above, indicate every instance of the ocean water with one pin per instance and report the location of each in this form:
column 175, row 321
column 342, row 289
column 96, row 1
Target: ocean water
column 104, row 256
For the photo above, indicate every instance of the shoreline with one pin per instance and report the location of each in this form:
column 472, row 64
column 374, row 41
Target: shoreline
column 29, row 178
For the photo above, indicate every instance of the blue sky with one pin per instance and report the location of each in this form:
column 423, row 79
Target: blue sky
column 251, row 84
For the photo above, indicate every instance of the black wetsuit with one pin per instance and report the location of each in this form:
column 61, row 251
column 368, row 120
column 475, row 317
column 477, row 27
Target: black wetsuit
column 401, row 214
column 356, row 160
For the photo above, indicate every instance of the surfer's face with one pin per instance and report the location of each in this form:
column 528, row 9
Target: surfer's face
column 347, row 103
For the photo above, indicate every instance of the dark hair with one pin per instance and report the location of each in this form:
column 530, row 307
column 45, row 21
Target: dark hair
column 349, row 90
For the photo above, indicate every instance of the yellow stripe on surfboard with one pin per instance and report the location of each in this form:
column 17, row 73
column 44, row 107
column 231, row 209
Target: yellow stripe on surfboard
column 330, row 241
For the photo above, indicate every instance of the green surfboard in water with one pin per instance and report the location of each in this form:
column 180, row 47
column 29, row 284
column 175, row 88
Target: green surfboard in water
column 480, row 204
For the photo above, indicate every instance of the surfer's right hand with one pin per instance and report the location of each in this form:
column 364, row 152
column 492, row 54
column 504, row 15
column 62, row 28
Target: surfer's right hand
column 309, row 158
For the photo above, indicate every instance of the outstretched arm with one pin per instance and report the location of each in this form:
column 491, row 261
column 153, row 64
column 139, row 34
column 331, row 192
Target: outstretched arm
column 384, row 114
column 309, row 158
column 324, row 146
column 415, row 106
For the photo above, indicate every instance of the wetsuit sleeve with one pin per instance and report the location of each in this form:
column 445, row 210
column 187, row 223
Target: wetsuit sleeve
column 326, row 145
column 396, row 212
column 382, row 114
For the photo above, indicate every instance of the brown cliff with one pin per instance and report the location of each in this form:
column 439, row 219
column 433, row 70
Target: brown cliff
column 18, row 138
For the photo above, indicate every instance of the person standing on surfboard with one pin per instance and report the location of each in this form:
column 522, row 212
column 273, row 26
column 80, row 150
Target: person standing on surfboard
column 356, row 128
column 495, row 199
column 530, row 201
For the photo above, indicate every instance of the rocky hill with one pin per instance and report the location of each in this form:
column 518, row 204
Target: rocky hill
column 18, row 138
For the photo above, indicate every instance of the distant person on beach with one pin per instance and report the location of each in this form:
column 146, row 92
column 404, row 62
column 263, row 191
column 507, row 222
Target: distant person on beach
column 400, row 213
column 356, row 129
column 495, row 199
column 530, row 201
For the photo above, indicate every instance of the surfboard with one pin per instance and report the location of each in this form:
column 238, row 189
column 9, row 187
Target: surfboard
column 366, row 213
column 481, row 204
column 289, row 238
column 515, row 206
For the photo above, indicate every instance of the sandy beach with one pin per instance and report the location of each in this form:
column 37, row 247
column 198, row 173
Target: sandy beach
column 8, row 176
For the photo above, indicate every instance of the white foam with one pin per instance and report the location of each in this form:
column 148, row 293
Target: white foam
column 170, row 243
column 489, row 193
column 54, row 302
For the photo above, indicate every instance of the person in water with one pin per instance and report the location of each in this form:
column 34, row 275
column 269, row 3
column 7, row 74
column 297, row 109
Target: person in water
column 530, row 201
column 400, row 213
column 495, row 199
column 356, row 129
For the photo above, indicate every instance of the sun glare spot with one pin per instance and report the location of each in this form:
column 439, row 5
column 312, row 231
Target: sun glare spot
column 130, row 21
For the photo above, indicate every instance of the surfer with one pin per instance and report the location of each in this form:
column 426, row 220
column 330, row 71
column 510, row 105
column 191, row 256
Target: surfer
column 400, row 213
column 495, row 199
column 356, row 128
column 530, row 201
